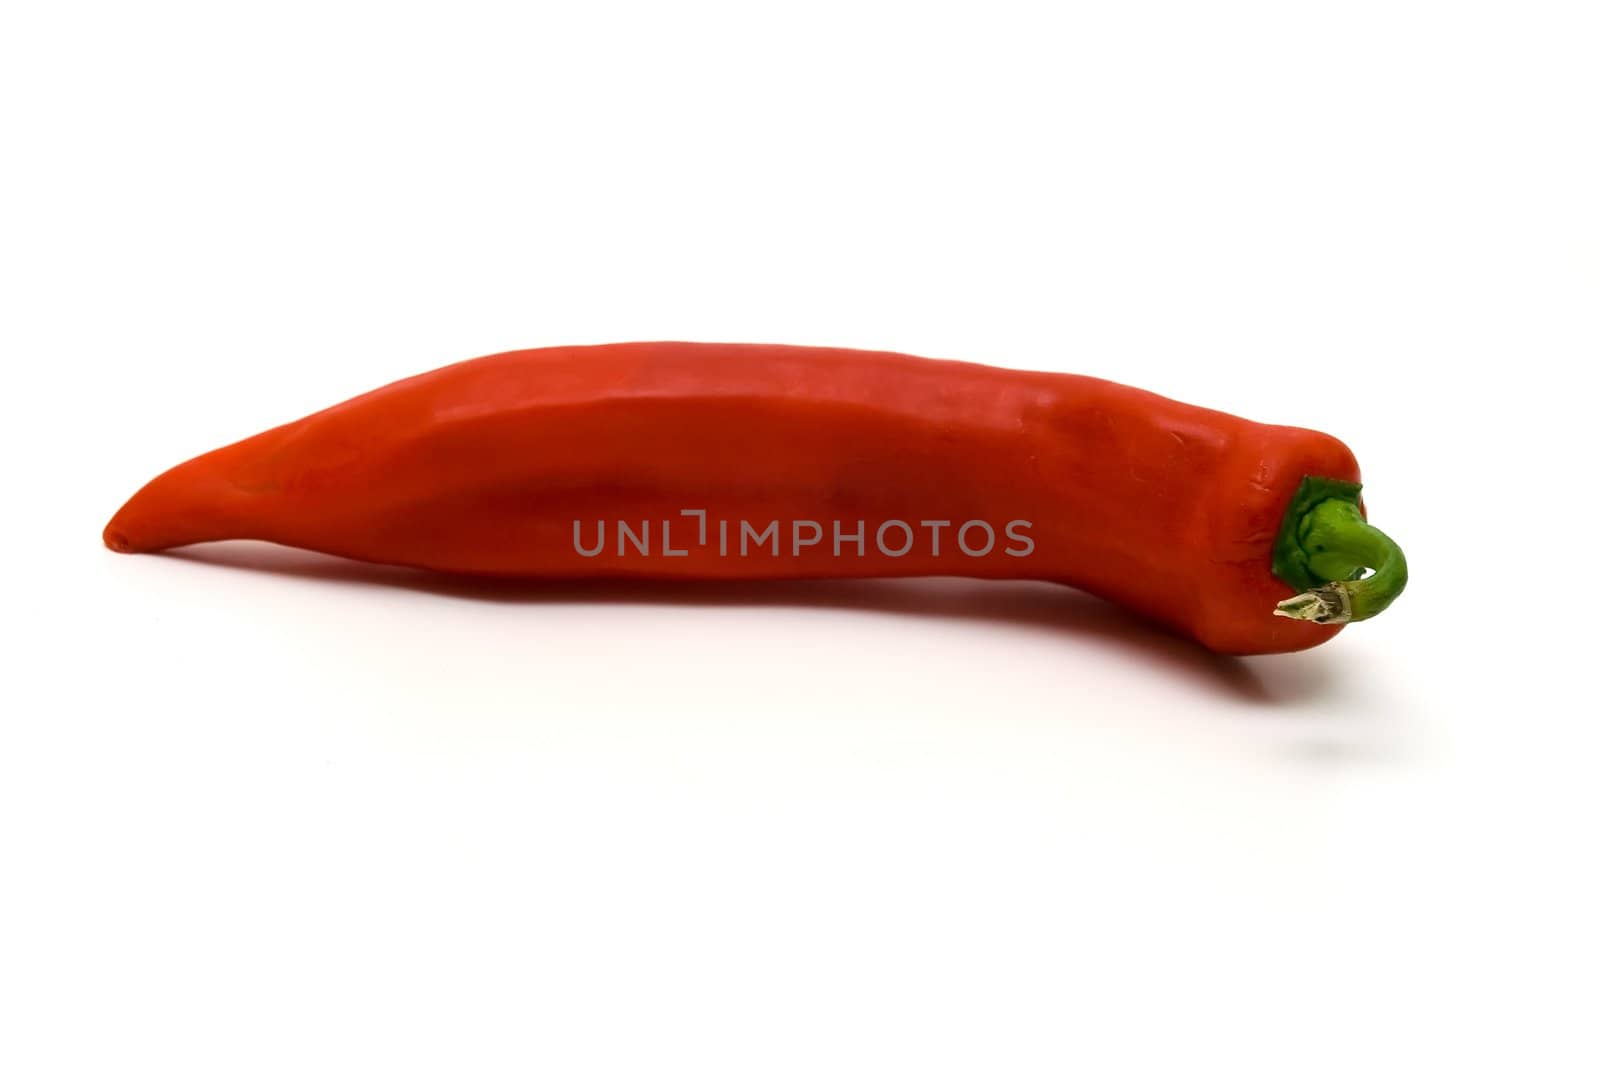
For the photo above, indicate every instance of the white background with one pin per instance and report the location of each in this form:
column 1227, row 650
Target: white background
column 259, row 807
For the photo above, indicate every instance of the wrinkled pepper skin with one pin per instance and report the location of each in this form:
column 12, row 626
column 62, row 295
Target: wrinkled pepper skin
column 483, row 467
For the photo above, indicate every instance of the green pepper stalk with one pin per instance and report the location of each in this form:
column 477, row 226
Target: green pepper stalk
column 1344, row 568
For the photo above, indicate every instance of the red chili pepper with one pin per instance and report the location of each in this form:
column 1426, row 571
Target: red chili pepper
column 682, row 461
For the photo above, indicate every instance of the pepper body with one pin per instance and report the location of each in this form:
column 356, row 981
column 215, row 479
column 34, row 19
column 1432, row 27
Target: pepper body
column 682, row 455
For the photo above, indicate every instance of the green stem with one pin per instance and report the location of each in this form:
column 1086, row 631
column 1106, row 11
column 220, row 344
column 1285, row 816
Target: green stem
column 1326, row 549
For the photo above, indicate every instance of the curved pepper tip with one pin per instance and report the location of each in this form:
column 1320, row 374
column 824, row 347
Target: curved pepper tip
column 135, row 527
column 116, row 537
column 182, row 506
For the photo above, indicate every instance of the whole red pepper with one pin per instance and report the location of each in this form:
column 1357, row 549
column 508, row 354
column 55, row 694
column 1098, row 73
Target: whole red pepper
column 684, row 461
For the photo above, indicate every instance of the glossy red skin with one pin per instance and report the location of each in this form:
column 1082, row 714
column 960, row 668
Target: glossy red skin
column 482, row 467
